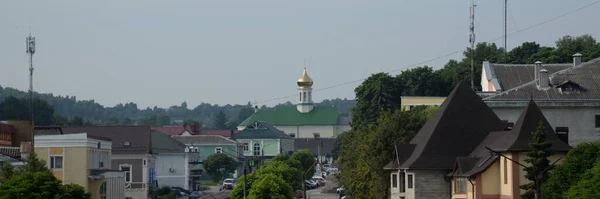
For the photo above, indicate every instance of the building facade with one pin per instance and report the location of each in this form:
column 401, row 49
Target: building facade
column 84, row 160
column 567, row 94
column 409, row 102
column 131, row 154
column 261, row 141
column 171, row 164
column 305, row 120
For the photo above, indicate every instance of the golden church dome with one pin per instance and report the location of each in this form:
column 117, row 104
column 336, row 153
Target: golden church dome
column 305, row 80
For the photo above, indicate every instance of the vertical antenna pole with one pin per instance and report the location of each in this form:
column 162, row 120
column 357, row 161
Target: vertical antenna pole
column 472, row 41
column 30, row 51
column 505, row 14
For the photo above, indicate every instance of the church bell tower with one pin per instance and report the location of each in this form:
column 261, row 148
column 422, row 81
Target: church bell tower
column 305, row 103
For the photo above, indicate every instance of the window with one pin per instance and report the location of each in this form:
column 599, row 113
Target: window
column 300, row 95
column 317, row 135
column 257, row 149
column 309, row 97
column 410, row 181
column 304, row 96
column 127, row 170
column 505, row 171
column 292, row 135
column 461, row 185
column 56, row 162
column 145, row 162
column 218, row 150
column 394, row 180
column 245, row 146
column 103, row 191
column 597, row 121
column 402, row 183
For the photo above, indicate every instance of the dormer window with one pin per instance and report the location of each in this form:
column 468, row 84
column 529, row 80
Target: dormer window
column 569, row 86
column 292, row 135
column 317, row 135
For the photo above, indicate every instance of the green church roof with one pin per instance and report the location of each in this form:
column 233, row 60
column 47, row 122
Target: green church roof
column 290, row 116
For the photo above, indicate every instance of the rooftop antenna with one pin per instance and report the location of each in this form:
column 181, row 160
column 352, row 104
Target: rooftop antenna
column 505, row 14
column 472, row 41
column 30, row 45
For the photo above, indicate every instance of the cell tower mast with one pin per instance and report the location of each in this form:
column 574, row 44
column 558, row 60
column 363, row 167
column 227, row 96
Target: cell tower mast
column 30, row 44
column 472, row 41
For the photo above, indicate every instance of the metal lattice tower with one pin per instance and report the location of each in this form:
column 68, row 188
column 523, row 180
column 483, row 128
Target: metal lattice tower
column 30, row 45
column 472, row 41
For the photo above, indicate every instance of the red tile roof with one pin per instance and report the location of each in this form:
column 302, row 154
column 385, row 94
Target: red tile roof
column 170, row 130
column 224, row 133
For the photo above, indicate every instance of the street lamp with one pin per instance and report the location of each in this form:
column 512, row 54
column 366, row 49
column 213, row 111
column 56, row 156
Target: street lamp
column 537, row 180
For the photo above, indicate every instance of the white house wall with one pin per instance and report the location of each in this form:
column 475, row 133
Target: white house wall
column 308, row 131
column 177, row 177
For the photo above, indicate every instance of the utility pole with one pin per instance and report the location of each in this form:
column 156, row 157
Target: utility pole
column 505, row 13
column 472, row 41
column 246, row 166
column 30, row 45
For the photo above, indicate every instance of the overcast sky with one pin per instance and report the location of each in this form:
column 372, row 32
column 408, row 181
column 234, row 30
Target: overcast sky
column 159, row 52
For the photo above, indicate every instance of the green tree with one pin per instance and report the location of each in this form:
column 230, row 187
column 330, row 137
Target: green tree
column 538, row 159
column 112, row 120
column 588, row 186
column 270, row 186
column 220, row 121
column 307, row 162
column 238, row 190
column 219, row 164
column 13, row 108
column 34, row 164
column 60, row 120
column 6, row 171
column 40, row 185
column 421, row 81
column 126, row 121
column 292, row 176
column 76, row 121
column 578, row 160
column 378, row 93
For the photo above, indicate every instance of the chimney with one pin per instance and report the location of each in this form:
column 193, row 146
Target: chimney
column 196, row 127
column 576, row 59
column 255, row 108
column 537, row 66
column 543, row 81
column 231, row 133
column 563, row 133
column 25, row 150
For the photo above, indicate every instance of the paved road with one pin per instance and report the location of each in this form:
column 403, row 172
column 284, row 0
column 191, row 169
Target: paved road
column 316, row 194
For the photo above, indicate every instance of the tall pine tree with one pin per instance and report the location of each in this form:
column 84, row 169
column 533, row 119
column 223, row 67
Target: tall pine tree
column 221, row 121
column 539, row 167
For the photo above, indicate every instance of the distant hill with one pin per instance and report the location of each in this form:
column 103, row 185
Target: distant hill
column 205, row 113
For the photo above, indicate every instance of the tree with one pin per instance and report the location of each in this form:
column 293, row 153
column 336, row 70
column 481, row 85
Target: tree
column 13, row 108
column 307, row 161
column 40, row 185
column 270, row 186
column 126, row 121
column 6, row 171
column 34, row 164
column 76, row 121
column 378, row 93
column 538, row 159
column 587, row 187
column 219, row 164
column 238, row 190
column 290, row 175
column 564, row 176
column 220, row 120
column 60, row 120
column 421, row 81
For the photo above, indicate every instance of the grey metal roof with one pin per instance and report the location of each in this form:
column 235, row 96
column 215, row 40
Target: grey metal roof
column 204, row 140
column 162, row 143
column 509, row 76
column 585, row 76
column 138, row 137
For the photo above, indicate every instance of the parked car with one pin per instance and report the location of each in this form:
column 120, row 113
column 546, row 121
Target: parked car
column 195, row 195
column 184, row 192
column 178, row 193
column 311, row 184
column 228, row 183
column 318, row 179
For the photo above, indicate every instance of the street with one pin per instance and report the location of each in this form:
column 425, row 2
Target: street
column 316, row 194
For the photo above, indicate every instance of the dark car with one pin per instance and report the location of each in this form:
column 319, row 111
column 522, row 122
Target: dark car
column 195, row 195
column 183, row 191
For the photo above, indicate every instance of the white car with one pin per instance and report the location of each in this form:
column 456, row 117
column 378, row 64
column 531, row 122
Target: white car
column 228, row 183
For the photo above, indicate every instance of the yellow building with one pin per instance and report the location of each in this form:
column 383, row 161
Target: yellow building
column 84, row 160
column 500, row 175
column 408, row 102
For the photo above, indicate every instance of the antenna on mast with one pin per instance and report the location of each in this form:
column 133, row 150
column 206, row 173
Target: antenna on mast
column 472, row 41
column 505, row 14
column 30, row 45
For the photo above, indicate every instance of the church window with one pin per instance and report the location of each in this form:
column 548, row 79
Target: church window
column 300, row 95
column 309, row 96
column 304, row 96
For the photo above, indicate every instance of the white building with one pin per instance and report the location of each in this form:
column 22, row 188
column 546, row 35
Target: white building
column 305, row 120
